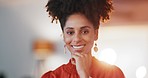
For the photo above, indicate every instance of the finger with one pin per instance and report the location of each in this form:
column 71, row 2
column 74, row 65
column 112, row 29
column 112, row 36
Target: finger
column 74, row 56
column 73, row 61
column 78, row 54
column 85, row 55
column 78, row 57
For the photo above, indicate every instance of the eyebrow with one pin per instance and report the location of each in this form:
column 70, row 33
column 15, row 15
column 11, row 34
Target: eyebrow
column 83, row 27
column 69, row 28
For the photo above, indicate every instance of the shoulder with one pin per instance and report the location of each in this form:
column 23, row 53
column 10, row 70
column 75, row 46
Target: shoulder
column 106, row 70
column 49, row 74
column 55, row 73
column 116, row 72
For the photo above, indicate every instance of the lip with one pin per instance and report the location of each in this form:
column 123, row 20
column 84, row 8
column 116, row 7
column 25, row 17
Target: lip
column 77, row 48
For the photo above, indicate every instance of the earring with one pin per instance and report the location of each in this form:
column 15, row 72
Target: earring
column 65, row 49
column 56, row 18
column 96, row 48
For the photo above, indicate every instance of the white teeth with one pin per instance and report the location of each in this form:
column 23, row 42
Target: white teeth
column 77, row 47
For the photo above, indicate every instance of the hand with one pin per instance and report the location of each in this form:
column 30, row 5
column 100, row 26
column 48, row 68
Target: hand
column 83, row 63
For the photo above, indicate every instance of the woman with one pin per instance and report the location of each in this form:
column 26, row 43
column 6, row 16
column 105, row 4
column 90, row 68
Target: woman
column 80, row 20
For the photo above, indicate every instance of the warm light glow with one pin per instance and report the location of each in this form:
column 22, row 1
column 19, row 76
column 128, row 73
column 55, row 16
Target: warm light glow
column 42, row 48
column 108, row 55
column 141, row 72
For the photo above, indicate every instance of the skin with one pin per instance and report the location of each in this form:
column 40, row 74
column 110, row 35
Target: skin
column 79, row 36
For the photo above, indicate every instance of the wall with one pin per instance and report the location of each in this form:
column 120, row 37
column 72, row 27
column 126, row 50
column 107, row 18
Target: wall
column 22, row 21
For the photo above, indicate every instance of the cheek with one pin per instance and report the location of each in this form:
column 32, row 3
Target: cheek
column 67, row 40
column 90, row 40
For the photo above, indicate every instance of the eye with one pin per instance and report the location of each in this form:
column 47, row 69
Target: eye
column 70, row 32
column 85, row 31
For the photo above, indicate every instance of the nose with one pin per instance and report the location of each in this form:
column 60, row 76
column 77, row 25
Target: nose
column 77, row 38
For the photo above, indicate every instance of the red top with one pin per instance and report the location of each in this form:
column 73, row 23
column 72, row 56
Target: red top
column 98, row 70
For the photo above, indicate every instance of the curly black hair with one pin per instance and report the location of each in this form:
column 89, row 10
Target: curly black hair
column 94, row 10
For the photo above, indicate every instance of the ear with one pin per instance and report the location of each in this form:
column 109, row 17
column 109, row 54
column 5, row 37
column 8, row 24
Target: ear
column 96, row 34
column 63, row 36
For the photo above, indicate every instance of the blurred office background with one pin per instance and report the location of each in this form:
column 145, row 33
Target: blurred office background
column 125, row 36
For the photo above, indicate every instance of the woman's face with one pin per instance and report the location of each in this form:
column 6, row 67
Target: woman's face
column 79, row 34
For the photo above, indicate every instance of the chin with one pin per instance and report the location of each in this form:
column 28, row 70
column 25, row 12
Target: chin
column 77, row 51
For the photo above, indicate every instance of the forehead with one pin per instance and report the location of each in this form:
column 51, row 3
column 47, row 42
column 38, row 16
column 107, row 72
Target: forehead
column 77, row 21
column 81, row 27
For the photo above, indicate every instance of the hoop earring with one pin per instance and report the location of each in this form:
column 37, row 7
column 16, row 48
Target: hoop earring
column 96, row 48
column 65, row 49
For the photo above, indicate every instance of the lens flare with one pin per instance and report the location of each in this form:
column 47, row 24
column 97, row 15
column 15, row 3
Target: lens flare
column 141, row 72
column 108, row 55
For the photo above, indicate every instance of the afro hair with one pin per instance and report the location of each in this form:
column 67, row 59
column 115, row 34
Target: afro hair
column 94, row 10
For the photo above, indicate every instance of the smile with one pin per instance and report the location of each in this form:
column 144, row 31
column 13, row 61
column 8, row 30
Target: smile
column 77, row 46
